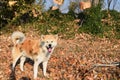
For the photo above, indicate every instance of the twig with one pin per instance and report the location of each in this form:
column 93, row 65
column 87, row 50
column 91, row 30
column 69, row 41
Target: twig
column 81, row 22
column 108, row 65
column 116, row 64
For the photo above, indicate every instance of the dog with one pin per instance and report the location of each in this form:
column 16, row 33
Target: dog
column 37, row 50
column 85, row 5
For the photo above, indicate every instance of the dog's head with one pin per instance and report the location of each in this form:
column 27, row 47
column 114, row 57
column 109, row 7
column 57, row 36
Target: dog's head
column 49, row 42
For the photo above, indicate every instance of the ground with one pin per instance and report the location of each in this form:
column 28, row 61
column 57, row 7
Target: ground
column 73, row 59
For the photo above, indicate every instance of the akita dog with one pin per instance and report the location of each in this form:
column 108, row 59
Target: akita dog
column 37, row 50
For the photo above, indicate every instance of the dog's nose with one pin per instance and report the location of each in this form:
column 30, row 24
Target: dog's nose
column 50, row 45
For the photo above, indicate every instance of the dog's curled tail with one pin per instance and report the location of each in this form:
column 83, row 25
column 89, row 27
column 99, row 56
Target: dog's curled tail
column 18, row 37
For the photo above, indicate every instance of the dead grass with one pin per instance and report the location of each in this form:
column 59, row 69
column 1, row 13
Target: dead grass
column 71, row 60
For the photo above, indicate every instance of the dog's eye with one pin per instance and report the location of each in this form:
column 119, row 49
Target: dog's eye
column 46, row 41
column 51, row 41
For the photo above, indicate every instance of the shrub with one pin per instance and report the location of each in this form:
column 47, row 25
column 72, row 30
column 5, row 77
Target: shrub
column 96, row 22
column 92, row 21
column 16, row 13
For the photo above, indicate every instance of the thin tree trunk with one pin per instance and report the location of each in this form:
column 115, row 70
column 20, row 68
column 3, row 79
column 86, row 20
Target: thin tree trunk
column 95, row 2
column 109, row 3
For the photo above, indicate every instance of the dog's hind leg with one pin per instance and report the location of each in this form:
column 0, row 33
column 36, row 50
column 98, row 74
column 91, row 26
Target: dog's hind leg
column 22, row 60
column 15, row 59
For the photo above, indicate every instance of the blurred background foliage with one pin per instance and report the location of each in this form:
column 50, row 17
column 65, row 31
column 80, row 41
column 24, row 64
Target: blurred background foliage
column 26, row 15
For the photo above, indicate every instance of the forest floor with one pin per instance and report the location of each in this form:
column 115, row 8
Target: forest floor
column 73, row 59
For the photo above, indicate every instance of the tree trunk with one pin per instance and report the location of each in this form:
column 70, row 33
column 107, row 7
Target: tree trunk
column 95, row 2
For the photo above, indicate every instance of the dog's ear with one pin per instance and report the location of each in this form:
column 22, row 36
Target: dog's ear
column 56, row 36
column 42, row 37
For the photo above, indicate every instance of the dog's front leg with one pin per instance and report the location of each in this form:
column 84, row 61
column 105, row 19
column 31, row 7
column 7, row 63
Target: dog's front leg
column 36, row 64
column 44, row 68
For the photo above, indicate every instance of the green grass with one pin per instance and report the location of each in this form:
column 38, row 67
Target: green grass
column 63, row 24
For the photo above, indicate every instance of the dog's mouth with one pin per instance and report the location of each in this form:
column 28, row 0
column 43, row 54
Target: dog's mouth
column 49, row 49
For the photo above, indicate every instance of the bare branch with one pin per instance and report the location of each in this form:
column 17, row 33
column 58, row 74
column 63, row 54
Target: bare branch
column 108, row 65
column 109, row 2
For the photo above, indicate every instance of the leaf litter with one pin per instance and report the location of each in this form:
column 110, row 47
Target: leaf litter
column 73, row 59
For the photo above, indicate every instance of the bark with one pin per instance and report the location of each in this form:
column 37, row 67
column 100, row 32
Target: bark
column 95, row 2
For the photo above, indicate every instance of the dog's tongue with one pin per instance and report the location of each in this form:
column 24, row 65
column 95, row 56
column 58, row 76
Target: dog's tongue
column 49, row 50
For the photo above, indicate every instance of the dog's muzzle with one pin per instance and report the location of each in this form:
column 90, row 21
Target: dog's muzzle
column 49, row 48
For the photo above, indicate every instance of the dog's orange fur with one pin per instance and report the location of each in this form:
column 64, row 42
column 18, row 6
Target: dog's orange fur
column 31, row 47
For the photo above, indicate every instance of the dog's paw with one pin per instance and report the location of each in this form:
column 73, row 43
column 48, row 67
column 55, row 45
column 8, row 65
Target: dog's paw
column 47, row 75
column 21, row 69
